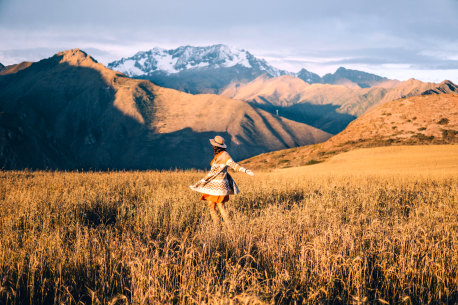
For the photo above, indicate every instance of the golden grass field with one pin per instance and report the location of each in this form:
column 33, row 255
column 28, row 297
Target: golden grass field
column 301, row 235
column 388, row 160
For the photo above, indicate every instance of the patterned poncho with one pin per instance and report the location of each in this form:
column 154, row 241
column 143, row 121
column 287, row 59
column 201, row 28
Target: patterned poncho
column 218, row 182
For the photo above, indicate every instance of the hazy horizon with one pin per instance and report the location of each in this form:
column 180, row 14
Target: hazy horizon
column 398, row 40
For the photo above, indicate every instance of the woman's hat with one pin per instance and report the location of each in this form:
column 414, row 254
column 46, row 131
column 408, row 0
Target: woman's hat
column 218, row 141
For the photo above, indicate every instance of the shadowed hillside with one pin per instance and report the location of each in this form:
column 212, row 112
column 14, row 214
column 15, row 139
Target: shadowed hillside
column 69, row 111
column 429, row 119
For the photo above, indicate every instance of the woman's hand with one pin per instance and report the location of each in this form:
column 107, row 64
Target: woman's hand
column 249, row 172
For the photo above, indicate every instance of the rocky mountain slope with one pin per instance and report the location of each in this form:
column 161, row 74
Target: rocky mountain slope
column 1, row 67
column 424, row 119
column 195, row 69
column 327, row 107
column 444, row 87
column 69, row 111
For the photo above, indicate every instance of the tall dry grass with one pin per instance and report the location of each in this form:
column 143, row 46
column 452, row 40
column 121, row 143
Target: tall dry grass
column 145, row 238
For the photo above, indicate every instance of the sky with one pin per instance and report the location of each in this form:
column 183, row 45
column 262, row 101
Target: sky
column 398, row 39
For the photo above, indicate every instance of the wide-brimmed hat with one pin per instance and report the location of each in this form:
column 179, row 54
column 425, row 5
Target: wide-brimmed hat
column 218, row 141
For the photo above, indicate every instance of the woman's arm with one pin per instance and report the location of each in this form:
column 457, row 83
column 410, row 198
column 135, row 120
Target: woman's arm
column 237, row 167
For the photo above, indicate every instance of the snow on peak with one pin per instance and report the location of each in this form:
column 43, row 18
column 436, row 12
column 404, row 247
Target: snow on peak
column 189, row 57
column 129, row 67
column 213, row 56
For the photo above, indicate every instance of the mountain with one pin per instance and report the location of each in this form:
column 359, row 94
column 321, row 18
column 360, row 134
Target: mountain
column 359, row 78
column 445, row 87
column 15, row 68
column 264, row 90
column 324, row 106
column 309, row 77
column 423, row 119
column 295, row 99
column 347, row 77
column 1, row 67
column 195, row 69
column 210, row 69
column 70, row 112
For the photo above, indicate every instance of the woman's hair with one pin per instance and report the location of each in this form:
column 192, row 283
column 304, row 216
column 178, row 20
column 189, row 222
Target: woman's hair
column 217, row 149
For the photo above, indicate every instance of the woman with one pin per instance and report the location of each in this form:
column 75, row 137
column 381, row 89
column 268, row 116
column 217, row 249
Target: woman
column 218, row 184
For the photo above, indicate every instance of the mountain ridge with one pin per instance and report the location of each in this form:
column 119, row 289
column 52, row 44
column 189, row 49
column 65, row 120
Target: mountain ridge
column 445, row 86
column 69, row 111
column 188, row 57
column 212, row 68
column 309, row 77
column 195, row 69
column 346, row 77
column 360, row 78
column 327, row 107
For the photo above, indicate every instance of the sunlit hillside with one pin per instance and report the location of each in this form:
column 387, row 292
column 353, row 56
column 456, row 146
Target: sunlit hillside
column 418, row 120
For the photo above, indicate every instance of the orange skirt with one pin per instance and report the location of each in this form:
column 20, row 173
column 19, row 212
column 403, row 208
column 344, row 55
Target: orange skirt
column 213, row 198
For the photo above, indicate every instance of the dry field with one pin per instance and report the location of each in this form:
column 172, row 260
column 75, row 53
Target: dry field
column 415, row 160
column 297, row 236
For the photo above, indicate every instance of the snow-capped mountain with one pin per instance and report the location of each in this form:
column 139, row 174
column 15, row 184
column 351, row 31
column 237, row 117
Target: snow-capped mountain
column 187, row 58
column 211, row 69
column 195, row 69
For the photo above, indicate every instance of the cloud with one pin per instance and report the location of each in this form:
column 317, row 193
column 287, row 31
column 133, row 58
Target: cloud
column 295, row 33
column 382, row 56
